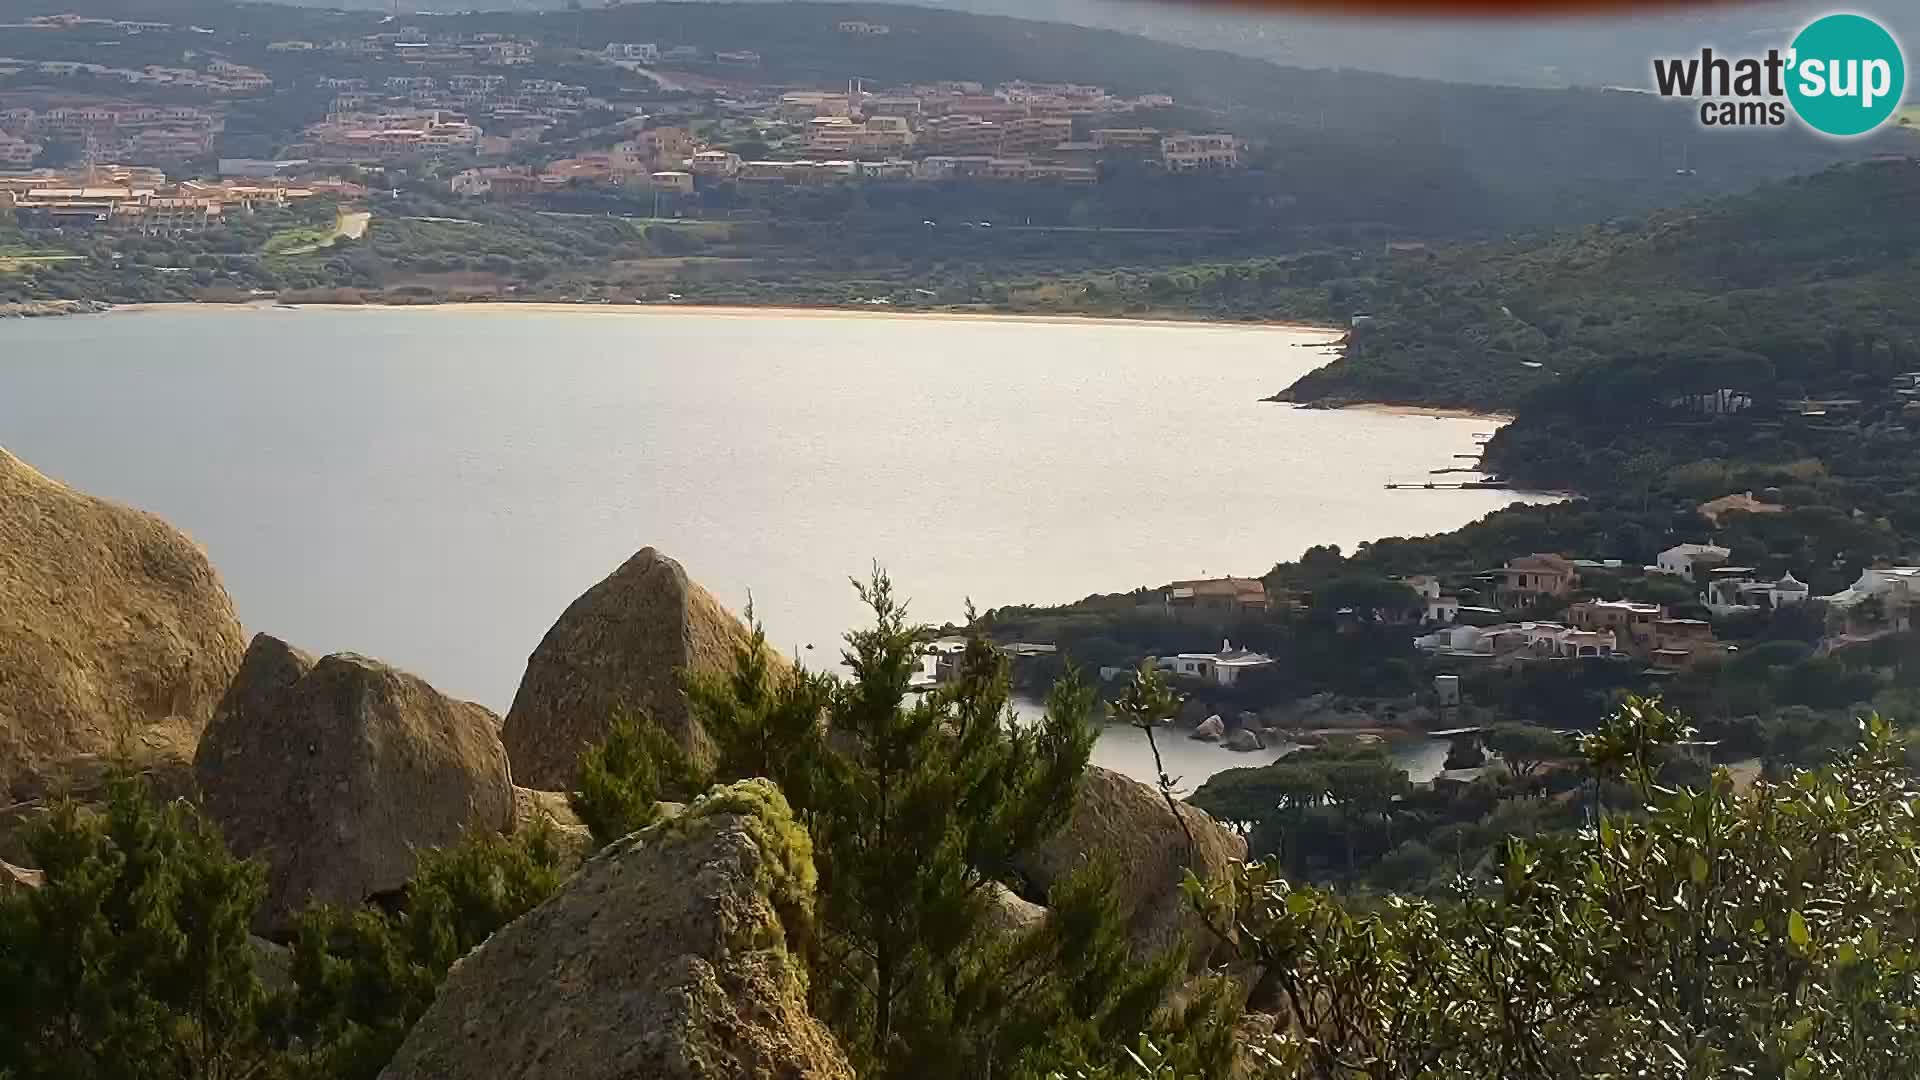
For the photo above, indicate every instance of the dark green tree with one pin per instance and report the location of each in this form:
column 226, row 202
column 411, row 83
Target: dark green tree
column 1709, row 933
column 362, row 978
column 1526, row 748
column 132, row 959
column 624, row 777
column 919, row 808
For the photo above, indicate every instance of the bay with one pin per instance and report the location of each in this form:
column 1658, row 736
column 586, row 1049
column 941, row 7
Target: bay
column 434, row 486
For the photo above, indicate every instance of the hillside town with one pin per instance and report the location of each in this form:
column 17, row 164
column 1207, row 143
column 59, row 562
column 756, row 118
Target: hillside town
column 489, row 115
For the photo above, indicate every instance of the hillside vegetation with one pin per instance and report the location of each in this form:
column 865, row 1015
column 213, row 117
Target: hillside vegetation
column 1770, row 292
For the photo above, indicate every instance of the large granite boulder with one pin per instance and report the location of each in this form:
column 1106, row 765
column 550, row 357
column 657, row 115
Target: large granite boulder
column 116, row 638
column 335, row 772
column 622, row 645
column 1128, row 823
column 674, row 954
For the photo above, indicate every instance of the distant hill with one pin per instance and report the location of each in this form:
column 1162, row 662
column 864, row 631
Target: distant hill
column 1546, row 53
column 1416, row 156
column 1799, row 287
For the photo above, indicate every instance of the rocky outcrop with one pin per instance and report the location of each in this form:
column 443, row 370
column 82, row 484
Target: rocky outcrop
column 116, row 637
column 675, row 954
column 1128, row 822
column 621, row 645
column 1210, row 729
column 532, row 809
column 334, row 773
column 1008, row 913
column 1244, row 740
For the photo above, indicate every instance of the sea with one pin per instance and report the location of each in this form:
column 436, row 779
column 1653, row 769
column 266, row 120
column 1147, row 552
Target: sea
column 433, row 486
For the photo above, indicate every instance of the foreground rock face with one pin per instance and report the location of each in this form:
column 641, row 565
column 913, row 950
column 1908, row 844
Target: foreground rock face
column 115, row 635
column 1128, row 822
column 335, row 772
column 622, row 644
column 671, row 955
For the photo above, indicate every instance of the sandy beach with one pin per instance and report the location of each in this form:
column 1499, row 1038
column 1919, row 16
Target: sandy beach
column 1426, row 410
column 738, row 311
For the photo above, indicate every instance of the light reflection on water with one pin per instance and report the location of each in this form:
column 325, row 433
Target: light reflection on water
column 1190, row 762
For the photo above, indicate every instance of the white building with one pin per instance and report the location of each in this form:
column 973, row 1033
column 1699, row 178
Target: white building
column 638, row 53
column 1196, row 153
column 1223, row 668
column 1526, row 640
column 1896, row 587
column 716, row 164
column 1681, row 559
column 16, row 151
column 1441, row 608
column 1788, row 591
column 1734, row 589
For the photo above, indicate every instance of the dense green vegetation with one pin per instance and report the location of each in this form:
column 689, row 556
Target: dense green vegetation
column 1768, row 934
column 1693, row 929
column 1793, row 289
column 133, row 960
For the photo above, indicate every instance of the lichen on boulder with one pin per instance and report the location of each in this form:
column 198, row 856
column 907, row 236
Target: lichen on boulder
column 673, row 954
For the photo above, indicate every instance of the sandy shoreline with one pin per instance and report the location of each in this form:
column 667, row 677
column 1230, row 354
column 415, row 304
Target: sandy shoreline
column 1427, row 410
column 738, row 311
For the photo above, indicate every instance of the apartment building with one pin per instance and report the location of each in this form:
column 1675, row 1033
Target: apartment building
column 1137, row 140
column 148, row 206
column 386, row 138
column 1200, row 153
column 637, row 53
column 16, row 152
column 801, row 106
column 715, row 164
column 1034, row 134
column 905, row 105
column 476, row 84
column 960, row 136
column 503, row 53
column 988, row 107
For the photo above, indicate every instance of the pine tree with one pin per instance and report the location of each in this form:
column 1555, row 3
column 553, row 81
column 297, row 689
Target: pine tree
column 919, row 808
column 364, row 977
column 624, row 777
column 132, row 959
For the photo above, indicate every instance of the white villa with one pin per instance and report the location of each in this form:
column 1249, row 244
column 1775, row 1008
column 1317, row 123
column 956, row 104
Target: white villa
column 1440, row 608
column 1896, row 587
column 1733, row 589
column 1526, row 640
column 1681, row 559
column 1223, row 668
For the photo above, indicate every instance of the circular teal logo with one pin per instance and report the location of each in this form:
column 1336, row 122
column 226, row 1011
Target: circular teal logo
column 1847, row 75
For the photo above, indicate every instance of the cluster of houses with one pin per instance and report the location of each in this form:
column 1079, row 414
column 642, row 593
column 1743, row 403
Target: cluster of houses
column 1880, row 601
column 222, row 78
column 109, row 130
column 1018, row 132
column 143, row 201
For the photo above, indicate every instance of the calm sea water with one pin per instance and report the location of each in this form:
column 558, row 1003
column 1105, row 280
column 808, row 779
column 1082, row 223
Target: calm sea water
column 433, row 487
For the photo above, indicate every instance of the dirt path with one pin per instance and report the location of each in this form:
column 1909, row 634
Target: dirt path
column 349, row 225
